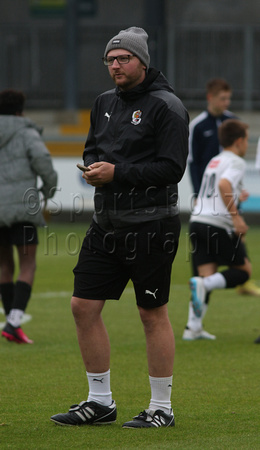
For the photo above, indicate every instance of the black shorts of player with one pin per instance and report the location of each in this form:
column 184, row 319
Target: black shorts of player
column 19, row 234
column 142, row 253
column 214, row 244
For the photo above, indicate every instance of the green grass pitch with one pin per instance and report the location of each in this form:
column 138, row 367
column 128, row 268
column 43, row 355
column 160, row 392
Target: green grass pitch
column 216, row 389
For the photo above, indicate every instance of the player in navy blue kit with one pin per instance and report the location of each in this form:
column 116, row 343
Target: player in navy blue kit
column 203, row 140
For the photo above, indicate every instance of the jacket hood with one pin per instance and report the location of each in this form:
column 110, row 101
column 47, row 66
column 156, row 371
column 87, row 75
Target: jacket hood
column 10, row 125
column 153, row 81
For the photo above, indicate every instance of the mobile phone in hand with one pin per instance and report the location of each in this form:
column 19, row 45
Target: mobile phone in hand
column 83, row 168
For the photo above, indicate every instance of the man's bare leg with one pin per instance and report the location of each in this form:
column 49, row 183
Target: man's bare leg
column 92, row 334
column 160, row 341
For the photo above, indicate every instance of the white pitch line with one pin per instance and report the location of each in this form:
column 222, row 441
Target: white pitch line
column 52, row 294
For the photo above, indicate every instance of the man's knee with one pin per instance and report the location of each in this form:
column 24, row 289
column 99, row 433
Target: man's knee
column 78, row 307
column 86, row 310
column 153, row 317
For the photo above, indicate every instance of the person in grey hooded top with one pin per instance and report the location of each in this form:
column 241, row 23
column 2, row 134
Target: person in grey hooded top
column 23, row 158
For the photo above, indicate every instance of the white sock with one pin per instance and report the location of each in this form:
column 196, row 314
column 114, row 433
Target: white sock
column 99, row 388
column 15, row 317
column 194, row 323
column 215, row 281
column 161, row 389
column 204, row 310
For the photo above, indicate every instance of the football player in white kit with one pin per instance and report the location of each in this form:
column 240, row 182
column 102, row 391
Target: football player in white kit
column 217, row 228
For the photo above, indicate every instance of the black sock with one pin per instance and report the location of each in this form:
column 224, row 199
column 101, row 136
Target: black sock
column 22, row 293
column 207, row 298
column 7, row 294
column 235, row 277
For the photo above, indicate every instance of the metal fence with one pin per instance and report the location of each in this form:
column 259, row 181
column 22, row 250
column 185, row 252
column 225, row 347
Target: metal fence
column 34, row 59
column 201, row 52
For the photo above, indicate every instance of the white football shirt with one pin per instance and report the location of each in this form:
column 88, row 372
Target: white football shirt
column 210, row 207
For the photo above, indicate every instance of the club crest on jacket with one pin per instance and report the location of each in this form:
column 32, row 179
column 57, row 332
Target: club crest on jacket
column 136, row 117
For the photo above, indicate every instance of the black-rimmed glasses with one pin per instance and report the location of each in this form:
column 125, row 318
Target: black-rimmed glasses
column 121, row 59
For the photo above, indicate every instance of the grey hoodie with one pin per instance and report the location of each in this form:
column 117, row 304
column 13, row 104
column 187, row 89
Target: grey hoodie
column 23, row 157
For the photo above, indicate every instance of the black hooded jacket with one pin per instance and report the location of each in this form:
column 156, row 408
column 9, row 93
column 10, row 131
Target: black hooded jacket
column 144, row 133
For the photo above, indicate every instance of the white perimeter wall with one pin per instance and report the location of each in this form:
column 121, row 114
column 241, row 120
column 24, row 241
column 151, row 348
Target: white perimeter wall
column 75, row 195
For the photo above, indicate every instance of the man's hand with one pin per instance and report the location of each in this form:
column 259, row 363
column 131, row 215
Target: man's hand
column 243, row 195
column 101, row 173
column 239, row 224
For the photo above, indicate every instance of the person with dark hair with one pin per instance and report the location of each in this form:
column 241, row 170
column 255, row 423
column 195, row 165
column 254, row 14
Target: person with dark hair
column 203, row 139
column 216, row 226
column 135, row 155
column 203, row 145
column 11, row 102
column 23, row 157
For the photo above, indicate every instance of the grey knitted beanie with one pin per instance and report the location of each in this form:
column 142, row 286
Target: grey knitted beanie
column 134, row 40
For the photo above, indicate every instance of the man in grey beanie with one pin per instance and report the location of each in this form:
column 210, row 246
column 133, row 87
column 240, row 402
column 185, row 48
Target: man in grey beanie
column 135, row 156
column 133, row 39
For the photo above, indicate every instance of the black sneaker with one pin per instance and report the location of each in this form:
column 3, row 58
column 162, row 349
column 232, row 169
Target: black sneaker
column 257, row 341
column 148, row 418
column 87, row 413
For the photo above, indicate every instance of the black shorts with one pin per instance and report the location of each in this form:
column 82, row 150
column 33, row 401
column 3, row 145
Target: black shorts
column 214, row 244
column 143, row 253
column 19, row 234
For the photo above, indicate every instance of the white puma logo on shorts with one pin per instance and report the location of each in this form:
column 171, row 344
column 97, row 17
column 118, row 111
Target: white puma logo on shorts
column 151, row 293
